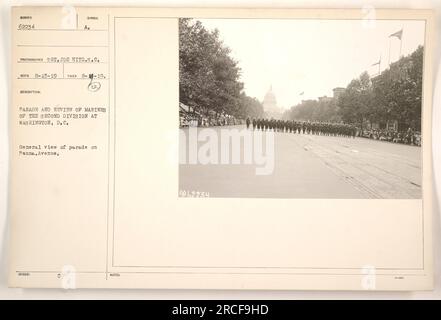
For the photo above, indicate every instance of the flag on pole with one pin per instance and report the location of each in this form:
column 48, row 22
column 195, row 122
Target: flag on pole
column 377, row 63
column 397, row 34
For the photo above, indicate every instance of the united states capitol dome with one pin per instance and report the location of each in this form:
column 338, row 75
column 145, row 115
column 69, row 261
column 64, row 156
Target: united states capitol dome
column 269, row 101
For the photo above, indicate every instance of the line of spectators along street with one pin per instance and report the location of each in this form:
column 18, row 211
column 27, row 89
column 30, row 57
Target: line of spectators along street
column 407, row 137
column 189, row 120
column 410, row 136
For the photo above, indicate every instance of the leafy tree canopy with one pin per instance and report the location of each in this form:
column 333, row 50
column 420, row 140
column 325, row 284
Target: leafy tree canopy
column 209, row 76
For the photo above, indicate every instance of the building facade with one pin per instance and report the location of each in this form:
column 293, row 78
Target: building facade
column 337, row 91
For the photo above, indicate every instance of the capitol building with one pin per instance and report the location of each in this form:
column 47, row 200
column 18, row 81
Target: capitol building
column 270, row 105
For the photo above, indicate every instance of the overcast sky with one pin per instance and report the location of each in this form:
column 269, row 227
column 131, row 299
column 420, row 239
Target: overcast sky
column 310, row 56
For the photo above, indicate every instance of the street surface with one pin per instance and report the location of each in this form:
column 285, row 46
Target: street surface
column 312, row 166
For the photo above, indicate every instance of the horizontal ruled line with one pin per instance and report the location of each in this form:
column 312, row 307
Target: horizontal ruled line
column 85, row 30
column 247, row 273
column 61, row 79
column 91, row 62
column 60, row 46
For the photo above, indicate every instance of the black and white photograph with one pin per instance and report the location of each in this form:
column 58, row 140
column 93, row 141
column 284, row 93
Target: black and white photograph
column 300, row 108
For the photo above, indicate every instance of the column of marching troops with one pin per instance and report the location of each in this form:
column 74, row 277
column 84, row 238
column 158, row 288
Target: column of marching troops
column 305, row 127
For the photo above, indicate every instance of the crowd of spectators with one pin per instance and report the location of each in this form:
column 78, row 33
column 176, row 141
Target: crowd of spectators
column 198, row 120
column 409, row 136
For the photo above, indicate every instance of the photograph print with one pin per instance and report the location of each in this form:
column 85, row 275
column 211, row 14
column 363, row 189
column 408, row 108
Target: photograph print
column 300, row 108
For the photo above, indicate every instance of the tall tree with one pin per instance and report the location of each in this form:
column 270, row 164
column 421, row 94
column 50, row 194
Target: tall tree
column 251, row 107
column 355, row 103
column 398, row 90
column 209, row 76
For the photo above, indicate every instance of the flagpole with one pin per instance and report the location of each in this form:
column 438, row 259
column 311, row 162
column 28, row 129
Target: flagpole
column 399, row 35
column 379, row 66
column 401, row 44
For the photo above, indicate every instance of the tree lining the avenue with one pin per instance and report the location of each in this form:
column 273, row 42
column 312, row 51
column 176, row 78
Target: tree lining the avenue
column 393, row 95
column 209, row 78
column 315, row 110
